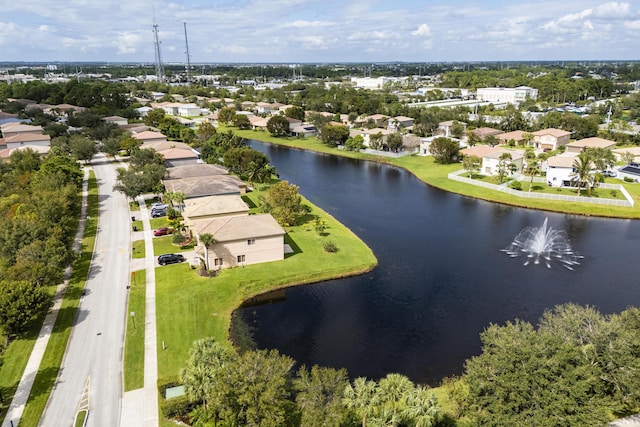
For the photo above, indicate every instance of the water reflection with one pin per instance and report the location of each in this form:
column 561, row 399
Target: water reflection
column 441, row 277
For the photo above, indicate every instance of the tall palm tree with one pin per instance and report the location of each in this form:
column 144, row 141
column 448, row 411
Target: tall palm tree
column 392, row 390
column 533, row 168
column 361, row 397
column 582, row 171
column 207, row 241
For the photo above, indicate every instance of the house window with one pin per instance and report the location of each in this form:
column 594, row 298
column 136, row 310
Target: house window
column 240, row 258
column 217, row 261
column 251, row 242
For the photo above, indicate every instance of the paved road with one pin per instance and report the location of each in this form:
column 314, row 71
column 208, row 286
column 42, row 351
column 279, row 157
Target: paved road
column 95, row 346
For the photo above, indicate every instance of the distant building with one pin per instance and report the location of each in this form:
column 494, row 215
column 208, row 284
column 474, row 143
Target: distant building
column 508, row 95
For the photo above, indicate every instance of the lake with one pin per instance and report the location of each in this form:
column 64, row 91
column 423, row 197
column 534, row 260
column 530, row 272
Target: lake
column 441, row 278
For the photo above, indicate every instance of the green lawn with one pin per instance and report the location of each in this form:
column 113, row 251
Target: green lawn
column 50, row 364
column 137, row 225
column 138, row 249
column 192, row 307
column 425, row 169
column 164, row 245
column 134, row 341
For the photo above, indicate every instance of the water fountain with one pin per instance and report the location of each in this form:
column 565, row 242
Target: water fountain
column 543, row 244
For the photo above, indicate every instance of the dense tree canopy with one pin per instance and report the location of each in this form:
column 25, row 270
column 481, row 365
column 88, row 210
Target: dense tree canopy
column 578, row 368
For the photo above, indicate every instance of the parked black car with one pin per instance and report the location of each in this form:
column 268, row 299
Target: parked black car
column 165, row 259
column 158, row 213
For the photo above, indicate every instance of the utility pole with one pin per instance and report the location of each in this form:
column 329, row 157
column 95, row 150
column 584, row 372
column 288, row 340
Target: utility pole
column 186, row 42
column 156, row 42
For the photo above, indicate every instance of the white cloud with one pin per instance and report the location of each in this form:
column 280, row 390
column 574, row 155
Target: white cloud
column 633, row 25
column 308, row 24
column 613, row 10
column 422, row 31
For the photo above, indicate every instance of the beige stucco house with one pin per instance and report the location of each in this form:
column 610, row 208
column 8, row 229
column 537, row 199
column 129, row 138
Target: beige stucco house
column 241, row 240
column 550, row 139
column 595, row 142
column 213, row 207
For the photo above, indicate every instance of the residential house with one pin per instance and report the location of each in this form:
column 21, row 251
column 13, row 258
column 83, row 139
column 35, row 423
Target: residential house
column 491, row 162
column 550, row 139
column 12, row 129
column 484, row 132
column 304, row 130
column 27, row 140
column 206, row 186
column 258, row 123
column 380, row 120
column 116, row 120
column 241, row 240
column 446, row 128
column 213, row 207
column 197, row 170
column 518, row 137
column 621, row 152
column 595, row 142
column 149, row 137
column 367, row 134
column 179, row 157
column 398, row 123
column 188, row 110
column 560, row 169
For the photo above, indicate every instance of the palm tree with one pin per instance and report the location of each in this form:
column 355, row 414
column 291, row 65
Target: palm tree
column 392, row 391
column 422, row 407
column 582, row 171
column 361, row 398
column 533, row 168
column 207, row 241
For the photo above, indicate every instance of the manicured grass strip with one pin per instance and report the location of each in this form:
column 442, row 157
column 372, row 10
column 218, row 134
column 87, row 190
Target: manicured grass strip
column 192, row 307
column 15, row 358
column 80, row 418
column 164, row 245
column 137, row 225
column 134, row 341
column 138, row 248
column 50, row 365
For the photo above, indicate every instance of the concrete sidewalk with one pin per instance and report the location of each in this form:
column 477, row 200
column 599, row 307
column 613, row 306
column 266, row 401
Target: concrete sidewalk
column 19, row 401
column 140, row 407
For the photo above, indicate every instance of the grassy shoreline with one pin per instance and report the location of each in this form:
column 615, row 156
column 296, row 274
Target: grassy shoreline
column 435, row 175
column 206, row 308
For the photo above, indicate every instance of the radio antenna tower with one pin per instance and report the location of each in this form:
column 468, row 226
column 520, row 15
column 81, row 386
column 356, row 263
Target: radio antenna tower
column 156, row 42
column 186, row 42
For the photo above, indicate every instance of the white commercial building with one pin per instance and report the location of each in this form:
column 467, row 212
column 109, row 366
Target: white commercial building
column 505, row 94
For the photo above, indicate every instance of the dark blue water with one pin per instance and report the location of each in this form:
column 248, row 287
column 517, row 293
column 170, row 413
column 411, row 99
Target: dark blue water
column 441, row 278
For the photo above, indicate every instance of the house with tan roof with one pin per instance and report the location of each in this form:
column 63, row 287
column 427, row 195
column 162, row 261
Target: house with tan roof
column 550, row 139
column 258, row 123
column 149, row 137
column 17, row 128
column 518, row 137
column 484, row 132
column 179, row 157
column 197, row 170
column 27, row 140
column 199, row 186
column 560, row 169
column 620, row 153
column 595, row 142
column 241, row 240
column 213, row 207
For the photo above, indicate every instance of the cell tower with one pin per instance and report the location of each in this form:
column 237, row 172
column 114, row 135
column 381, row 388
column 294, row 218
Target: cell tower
column 186, row 43
column 156, row 42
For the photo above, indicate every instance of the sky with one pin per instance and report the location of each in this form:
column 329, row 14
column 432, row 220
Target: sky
column 319, row 31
